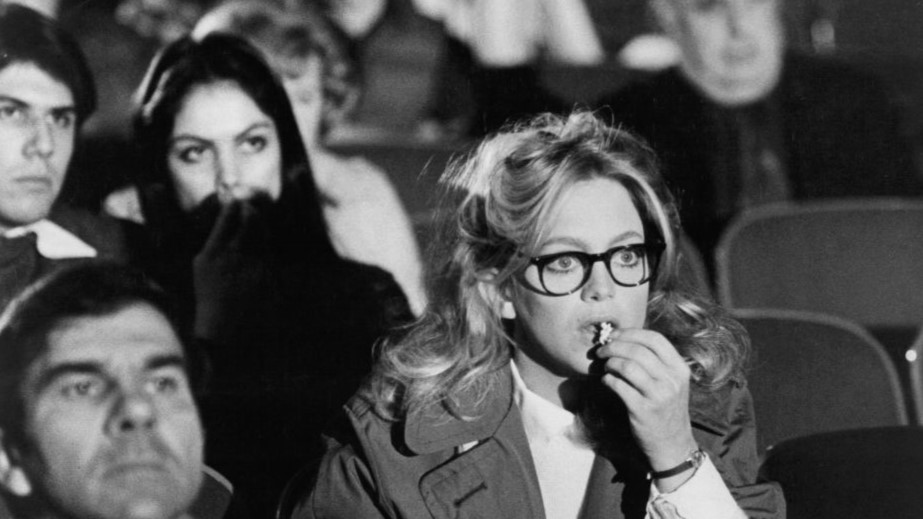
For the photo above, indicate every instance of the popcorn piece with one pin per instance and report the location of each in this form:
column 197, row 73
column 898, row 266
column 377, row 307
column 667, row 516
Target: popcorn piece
column 604, row 333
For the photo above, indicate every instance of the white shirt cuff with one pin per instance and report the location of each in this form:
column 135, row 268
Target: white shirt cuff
column 703, row 496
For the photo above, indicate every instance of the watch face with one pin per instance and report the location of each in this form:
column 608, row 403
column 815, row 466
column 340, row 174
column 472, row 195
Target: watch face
column 698, row 456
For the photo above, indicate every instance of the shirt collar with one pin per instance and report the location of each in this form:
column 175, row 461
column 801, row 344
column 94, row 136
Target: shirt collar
column 544, row 420
column 53, row 241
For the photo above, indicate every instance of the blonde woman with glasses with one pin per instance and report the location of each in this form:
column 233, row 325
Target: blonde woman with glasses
column 559, row 371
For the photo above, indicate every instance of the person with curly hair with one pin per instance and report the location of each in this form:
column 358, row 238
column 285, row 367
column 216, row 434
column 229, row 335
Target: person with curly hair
column 559, row 371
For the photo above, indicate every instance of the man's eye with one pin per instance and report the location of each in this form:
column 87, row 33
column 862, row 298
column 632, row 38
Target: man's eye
column 64, row 120
column 12, row 113
column 164, row 385
column 167, row 383
column 84, row 388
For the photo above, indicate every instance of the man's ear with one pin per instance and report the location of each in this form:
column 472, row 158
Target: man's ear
column 13, row 478
column 498, row 299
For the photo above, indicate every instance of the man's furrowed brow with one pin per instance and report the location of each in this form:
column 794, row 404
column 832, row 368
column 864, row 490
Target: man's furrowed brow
column 13, row 100
column 166, row 361
column 59, row 110
column 67, row 110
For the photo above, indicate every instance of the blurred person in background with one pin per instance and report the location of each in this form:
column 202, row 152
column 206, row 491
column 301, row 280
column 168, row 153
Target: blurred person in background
column 743, row 121
column 357, row 19
column 162, row 20
column 237, row 231
column 493, row 51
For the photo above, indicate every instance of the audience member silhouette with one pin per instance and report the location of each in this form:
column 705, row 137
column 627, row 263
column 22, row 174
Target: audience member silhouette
column 492, row 57
column 742, row 121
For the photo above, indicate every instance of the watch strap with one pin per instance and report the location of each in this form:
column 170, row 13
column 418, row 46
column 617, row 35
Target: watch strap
column 692, row 462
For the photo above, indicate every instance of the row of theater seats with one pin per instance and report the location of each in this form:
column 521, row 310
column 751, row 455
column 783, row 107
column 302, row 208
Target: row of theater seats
column 831, row 293
column 858, row 260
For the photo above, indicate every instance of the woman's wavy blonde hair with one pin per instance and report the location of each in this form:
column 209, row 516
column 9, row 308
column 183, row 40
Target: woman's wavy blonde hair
column 496, row 202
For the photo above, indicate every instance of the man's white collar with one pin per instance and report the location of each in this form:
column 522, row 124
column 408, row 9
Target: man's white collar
column 53, row 241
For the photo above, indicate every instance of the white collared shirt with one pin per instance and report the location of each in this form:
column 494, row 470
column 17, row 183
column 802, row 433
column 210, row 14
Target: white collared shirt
column 563, row 457
column 53, row 241
column 563, row 462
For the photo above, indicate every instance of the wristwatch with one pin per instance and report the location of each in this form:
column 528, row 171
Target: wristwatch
column 694, row 460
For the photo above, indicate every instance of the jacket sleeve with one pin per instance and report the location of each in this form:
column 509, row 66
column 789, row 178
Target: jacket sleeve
column 725, row 426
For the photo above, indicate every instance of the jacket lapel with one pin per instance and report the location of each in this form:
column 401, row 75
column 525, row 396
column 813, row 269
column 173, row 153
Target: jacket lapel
column 434, row 428
column 493, row 478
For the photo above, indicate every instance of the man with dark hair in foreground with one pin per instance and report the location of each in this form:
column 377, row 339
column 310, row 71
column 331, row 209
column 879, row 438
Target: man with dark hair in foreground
column 97, row 416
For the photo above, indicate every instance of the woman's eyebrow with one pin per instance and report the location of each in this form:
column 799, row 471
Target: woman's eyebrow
column 626, row 235
column 186, row 137
column 243, row 133
column 263, row 125
column 576, row 242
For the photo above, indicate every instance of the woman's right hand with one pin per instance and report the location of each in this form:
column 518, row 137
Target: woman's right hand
column 241, row 228
column 652, row 379
column 232, row 271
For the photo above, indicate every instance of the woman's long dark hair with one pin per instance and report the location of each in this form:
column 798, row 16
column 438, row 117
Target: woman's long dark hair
column 172, row 75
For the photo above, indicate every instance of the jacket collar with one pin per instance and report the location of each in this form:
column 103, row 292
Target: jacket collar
column 433, row 429
column 708, row 410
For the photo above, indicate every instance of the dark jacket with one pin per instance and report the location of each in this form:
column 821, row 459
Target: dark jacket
column 288, row 326
column 412, row 469
column 839, row 137
column 110, row 238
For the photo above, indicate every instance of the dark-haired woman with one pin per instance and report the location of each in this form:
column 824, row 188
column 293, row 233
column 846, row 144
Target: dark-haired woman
column 237, row 231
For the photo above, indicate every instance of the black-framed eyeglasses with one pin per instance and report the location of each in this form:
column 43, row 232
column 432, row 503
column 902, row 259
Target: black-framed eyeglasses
column 564, row 273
